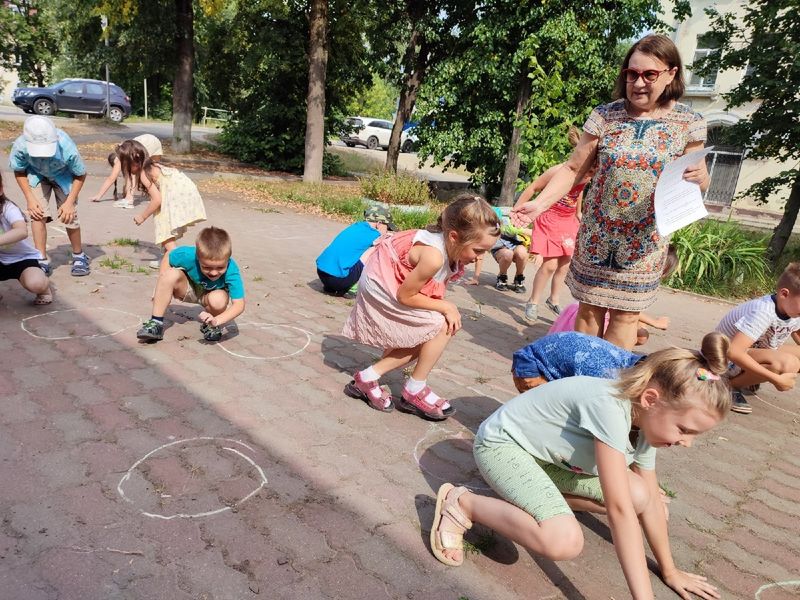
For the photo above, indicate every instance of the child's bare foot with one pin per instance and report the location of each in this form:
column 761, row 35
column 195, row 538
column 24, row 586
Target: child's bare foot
column 449, row 525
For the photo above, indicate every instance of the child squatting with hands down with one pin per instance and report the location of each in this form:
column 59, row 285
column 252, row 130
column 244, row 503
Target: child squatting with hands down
column 401, row 309
column 589, row 444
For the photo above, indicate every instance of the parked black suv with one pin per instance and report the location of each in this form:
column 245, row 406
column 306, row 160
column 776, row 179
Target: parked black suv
column 74, row 95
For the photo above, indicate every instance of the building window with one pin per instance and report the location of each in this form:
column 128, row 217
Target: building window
column 723, row 164
column 705, row 47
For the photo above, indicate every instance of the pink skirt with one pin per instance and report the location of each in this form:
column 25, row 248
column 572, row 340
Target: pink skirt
column 379, row 320
column 554, row 233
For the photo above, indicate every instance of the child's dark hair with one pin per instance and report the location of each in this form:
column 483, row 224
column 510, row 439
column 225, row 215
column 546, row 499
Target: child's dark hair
column 675, row 371
column 213, row 243
column 3, row 197
column 790, row 278
column 131, row 152
column 469, row 216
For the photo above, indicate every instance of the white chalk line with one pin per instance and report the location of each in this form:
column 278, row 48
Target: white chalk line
column 69, row 337
column 434, row 429
column 209, row 513
column 779, row 584
column 267, row 326
column 788, row 412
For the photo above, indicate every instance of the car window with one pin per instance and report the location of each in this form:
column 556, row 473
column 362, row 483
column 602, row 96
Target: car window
column 375, row 124
column 73, row 88
column 385, row 125
column 96, row 89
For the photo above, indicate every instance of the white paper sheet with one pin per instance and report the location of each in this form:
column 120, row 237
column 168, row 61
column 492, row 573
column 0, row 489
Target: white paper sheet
column 679, row 202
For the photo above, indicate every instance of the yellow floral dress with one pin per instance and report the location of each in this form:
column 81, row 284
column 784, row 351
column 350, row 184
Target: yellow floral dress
column 181, row 205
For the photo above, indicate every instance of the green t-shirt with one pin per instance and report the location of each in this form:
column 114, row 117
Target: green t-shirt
column 558, row 422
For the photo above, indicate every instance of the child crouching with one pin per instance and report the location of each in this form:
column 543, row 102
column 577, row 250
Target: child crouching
column 204, row 274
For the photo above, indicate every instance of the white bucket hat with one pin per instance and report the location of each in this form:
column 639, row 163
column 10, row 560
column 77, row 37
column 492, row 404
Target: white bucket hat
column 41, row 136
column 151, row 143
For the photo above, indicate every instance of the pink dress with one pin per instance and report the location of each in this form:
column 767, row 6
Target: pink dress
column 378, row 319
column 555, row 230
column 566, row 320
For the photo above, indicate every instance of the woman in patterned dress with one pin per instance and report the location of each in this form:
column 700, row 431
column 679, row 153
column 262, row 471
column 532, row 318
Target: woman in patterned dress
column 619, row 254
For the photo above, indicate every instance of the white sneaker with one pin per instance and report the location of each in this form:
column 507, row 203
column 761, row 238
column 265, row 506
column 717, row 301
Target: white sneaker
column 123, row 204
column 154, row 264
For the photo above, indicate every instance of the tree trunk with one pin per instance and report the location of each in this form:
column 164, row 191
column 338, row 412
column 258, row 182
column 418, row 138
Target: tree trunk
column 182, row 90
column 416, row 55
column 512, row 158
column 784, row 229
column 315, row 101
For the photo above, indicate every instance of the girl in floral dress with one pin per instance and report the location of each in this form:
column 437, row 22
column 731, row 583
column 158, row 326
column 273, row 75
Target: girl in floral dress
column 619, row 254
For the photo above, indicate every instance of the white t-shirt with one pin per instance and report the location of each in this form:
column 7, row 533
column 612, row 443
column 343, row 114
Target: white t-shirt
column 758, row 319
column 22, row 250
column 559, row 421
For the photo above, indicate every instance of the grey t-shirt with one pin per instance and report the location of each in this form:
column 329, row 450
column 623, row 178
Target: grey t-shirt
column 558, row 422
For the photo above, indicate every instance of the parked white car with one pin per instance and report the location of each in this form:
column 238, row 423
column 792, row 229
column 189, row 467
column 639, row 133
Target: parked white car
column 373, row 134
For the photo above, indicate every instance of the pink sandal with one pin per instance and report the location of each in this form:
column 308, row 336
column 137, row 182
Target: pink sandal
column 370, row 392
column 417, row 405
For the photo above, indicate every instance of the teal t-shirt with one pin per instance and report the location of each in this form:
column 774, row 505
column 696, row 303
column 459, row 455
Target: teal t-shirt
column 558, row 422
column 185, row 258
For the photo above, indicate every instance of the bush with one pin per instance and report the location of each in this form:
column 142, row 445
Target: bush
column 721, row 259
column 396, row 189
column 414, row 220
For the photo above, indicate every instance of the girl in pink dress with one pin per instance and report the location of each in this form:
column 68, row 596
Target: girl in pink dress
column 400, row 305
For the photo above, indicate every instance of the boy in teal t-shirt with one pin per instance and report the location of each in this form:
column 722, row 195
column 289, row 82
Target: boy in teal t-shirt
column 204, row 274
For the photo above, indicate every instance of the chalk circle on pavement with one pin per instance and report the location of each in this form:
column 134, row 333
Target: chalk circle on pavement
column 264, row 341
column 192, row 478
column 445, row 455
column 781, row 588
column 61, row 325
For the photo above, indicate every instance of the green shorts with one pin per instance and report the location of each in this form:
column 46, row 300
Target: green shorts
column 533, row 485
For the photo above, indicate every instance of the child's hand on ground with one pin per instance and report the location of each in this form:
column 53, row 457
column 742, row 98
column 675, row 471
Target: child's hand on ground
column 473, row 281
column 661, row 323
column 208, row 318
column 785, row 382
column 95, row 198
column 685, row 583
column 66, row 212
column 138, row 219
column 452, row 316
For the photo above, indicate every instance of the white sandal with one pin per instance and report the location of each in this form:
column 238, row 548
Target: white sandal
column 449, row 540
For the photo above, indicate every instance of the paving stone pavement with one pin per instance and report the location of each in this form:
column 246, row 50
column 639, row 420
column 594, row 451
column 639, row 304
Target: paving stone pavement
column 239, row 470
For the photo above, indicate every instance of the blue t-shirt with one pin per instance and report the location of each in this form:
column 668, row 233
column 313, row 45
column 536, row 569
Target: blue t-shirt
column 571, row 353
column 346, row 248
column 61, row 168
column 185, row 258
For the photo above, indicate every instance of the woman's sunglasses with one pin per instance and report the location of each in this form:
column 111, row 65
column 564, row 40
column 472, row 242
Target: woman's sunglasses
column 649, row 76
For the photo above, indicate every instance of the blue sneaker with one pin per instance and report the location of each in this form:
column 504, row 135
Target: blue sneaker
column 80, row 265
column 45, row 266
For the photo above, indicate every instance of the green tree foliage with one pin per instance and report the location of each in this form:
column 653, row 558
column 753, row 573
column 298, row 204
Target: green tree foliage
column 261, row 64
column 766, row 41
column 29, row 44
column 379, row 100
column 568, row 51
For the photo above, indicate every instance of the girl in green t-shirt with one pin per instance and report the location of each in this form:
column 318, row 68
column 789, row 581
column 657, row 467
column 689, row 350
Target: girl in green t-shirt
column 588, row 444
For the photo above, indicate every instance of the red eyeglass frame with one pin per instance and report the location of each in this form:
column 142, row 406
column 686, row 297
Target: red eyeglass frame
column 642, row 74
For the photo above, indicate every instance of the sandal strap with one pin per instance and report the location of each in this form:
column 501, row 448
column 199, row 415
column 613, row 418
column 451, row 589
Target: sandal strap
column 419, row 401
column 453, row 510
column 451, row 540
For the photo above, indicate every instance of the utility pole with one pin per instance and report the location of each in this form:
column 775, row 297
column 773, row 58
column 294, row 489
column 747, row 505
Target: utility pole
column 104, row 26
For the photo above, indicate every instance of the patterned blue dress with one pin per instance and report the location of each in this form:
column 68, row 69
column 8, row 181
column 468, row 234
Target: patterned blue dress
column 619, row 254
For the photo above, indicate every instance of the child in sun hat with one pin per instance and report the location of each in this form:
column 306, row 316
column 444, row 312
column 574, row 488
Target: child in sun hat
column 46, row 163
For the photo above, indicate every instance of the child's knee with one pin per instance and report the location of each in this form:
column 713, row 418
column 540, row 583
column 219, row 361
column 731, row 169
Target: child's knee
column 216, row 301
column 34, row 280
column 787, row 363
column 567, row 544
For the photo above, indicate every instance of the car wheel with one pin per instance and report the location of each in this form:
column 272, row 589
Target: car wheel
column 372, row 142
column 350, row 144
column 116, row 114
column 43, row 107
column 408, row 146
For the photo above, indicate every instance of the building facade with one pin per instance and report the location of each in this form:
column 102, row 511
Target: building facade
column 731, row 171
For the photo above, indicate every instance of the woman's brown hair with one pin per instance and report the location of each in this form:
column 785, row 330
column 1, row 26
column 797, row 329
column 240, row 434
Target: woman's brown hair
column 678, row 372
column 664, row 49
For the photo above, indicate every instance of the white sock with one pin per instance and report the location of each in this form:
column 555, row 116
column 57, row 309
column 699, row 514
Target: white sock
column 415, row 387
column 78, row 255
column 369, row 374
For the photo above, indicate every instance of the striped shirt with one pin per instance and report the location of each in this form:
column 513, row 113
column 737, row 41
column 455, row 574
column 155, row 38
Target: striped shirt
column 758, row 319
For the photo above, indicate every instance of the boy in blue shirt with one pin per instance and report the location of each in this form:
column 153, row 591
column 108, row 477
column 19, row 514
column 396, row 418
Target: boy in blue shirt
column 340, row 264
column 204, row 274
column 567, row 354
column 46, row 158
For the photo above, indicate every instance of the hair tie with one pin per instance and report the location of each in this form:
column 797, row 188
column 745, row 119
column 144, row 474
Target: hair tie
column 706, row 375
